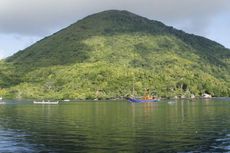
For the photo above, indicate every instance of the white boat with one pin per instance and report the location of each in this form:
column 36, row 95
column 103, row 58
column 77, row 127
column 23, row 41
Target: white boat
column 45, row 102
column 2, row 102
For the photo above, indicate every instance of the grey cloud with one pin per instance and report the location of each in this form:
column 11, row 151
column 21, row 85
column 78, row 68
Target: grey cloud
column 40, row 17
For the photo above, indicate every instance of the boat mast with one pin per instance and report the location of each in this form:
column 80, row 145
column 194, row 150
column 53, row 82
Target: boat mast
column 133, row 85
column 134, row 57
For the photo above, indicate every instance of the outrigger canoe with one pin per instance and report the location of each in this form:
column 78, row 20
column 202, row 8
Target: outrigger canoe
column 45, row 102
column 142, row 100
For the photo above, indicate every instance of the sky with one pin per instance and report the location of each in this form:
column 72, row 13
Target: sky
column 23, row 22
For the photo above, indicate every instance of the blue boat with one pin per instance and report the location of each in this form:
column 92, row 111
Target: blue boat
column 142, row 100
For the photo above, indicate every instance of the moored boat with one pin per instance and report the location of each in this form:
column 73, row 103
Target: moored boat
column 142, row 100
column 45, row 102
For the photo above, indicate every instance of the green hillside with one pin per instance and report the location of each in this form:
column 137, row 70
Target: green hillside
column 102, row 55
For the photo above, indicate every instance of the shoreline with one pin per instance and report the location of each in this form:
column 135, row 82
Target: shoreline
column 114, row 100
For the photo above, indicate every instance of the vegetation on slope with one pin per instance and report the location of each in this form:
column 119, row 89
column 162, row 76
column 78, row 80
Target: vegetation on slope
column 102, row 55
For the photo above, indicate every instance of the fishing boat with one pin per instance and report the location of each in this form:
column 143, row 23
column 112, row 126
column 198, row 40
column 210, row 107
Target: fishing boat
column 146, row 97
column 45, row 102
column 142, row 100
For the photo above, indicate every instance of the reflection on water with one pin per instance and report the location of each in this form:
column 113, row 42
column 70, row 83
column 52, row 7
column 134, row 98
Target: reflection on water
column 178, row 126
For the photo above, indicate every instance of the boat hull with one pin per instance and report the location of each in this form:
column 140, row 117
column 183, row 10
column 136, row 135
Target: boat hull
column 45, row 102
column 142, row 100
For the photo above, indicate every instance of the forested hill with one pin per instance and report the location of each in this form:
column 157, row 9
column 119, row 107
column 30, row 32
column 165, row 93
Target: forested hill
column 100, row 55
